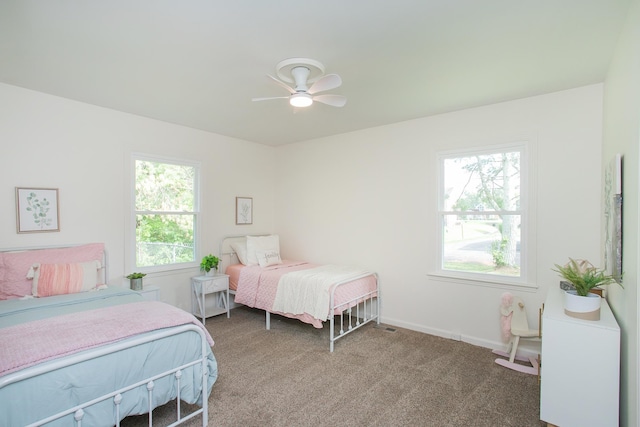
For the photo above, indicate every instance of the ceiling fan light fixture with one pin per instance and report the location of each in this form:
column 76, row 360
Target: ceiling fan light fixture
column 300, row 100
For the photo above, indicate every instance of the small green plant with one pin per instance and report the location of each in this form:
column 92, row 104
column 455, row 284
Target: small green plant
column 136, row 276
column 209, row 262
column 583, row 276
column 497, row 252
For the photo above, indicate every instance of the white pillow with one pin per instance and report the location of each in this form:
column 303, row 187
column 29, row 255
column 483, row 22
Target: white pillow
column 267, row 258
column 240, row 248
column 261, row 244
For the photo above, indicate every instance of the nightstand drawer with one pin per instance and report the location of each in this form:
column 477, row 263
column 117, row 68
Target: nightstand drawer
column 150, row 293
column 214, row 285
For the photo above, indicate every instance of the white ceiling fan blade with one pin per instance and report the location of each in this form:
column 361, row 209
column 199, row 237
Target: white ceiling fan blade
column 333, row 100
column 266, row 99
column 328, row 82
column 282, row 84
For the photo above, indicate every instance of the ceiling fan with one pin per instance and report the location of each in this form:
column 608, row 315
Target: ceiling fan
column 302, row 72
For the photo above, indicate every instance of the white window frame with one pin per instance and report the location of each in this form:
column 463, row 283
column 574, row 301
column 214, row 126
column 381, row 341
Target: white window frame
column 133, row 213
column 527, row 278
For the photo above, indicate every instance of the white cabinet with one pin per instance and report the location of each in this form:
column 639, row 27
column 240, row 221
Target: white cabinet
column 580, row 371
column 217, row 286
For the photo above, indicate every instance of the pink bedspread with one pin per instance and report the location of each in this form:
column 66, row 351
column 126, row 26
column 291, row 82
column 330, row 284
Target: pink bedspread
column 30, row 343
column 257, row 287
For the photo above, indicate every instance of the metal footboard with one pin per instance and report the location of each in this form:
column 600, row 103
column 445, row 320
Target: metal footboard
column 354, row 313
column 117, row 396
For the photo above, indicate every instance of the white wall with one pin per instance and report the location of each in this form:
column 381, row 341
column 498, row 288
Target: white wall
column 85, row 152
column 369, row 198
column 622, row 135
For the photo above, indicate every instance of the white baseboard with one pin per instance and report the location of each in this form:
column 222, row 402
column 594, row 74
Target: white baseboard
column 526, row 348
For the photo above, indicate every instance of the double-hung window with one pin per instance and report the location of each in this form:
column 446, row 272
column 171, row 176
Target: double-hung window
column 165, row 212
column 483, row 213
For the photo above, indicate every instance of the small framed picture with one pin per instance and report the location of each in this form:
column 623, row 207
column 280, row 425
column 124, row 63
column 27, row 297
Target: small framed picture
column 244, row 210
column 37, row 210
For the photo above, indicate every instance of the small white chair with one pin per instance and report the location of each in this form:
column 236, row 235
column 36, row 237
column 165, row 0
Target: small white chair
column 519, row 328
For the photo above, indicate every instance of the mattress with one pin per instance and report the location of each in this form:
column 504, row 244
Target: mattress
column 35, row 398
column 233, row 271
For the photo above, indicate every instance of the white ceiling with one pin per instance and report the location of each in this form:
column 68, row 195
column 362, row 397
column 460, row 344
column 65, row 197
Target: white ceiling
column 198, row 63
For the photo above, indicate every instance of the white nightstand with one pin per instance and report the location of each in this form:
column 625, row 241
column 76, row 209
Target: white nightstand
column 216, row 285
column 150, row 293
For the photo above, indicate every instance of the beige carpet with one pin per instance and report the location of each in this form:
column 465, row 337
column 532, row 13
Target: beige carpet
column 375, row 377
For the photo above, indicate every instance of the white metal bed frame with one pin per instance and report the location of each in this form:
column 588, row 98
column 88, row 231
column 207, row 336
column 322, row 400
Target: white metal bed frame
column 354, row 313
column 117, row 395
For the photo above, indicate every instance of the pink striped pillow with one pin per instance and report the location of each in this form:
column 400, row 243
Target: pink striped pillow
column 59, row 279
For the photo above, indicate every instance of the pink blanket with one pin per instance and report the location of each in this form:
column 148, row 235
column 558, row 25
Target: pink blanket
column 30, row 343
column 257, row 287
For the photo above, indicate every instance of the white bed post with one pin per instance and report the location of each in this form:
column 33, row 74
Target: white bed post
column 205, row 387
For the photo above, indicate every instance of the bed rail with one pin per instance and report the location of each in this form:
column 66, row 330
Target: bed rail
column 117, row 395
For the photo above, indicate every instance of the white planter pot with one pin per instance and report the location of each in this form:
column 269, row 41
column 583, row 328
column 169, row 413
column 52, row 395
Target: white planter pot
column 587, row 308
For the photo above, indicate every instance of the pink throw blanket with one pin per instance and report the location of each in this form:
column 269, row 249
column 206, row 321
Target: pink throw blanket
column 30, row 343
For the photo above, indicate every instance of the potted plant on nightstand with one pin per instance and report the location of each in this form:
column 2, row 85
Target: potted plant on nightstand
column 581, row 301
column 135, row 281
column 209, row 264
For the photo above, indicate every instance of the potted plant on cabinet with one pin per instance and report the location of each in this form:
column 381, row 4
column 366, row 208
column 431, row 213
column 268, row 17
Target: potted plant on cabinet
column 581, row 301
column 209, row 264
column 135, row 281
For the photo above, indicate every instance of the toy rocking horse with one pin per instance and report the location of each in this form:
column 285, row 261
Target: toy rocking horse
column 515, row 326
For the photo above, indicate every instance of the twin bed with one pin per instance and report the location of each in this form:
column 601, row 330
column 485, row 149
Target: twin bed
column 346, row 297
column 84, row 353
column 74, row 351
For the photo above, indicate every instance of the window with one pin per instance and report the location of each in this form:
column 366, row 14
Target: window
column 483, row 213
column 165, row 211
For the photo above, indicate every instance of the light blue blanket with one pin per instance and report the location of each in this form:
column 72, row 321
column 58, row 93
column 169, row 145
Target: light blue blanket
column 28, row 400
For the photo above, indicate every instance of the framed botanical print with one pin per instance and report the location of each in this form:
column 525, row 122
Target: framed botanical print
column 244, row 210
column 37, row 210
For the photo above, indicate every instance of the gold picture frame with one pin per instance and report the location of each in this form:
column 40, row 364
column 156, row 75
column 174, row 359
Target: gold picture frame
column 37, row 210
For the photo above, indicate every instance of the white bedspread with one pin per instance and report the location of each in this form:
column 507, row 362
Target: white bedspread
column 308, row 291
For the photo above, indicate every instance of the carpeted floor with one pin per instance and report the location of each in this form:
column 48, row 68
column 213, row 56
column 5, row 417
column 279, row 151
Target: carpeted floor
column 377, row 376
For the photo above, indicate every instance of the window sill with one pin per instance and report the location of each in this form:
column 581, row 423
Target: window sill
column 494, row 282
column 167, row 270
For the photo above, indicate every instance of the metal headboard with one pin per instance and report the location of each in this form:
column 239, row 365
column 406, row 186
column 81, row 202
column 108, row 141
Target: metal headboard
column 227, row 254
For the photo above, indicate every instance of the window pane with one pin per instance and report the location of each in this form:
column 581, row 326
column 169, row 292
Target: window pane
column 164, row 239
column 488, row 244
column 487, row 182
column 164, row 187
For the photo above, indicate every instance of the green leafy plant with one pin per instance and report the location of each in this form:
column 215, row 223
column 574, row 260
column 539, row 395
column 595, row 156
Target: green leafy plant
column 498, row 252
column 583, row 276
column 136, row 276
column 209, row 262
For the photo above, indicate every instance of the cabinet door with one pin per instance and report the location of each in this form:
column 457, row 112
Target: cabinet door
column 579, row 374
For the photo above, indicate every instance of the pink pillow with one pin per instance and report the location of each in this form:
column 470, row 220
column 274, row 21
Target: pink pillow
column 60, row 279
column 14, row 266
